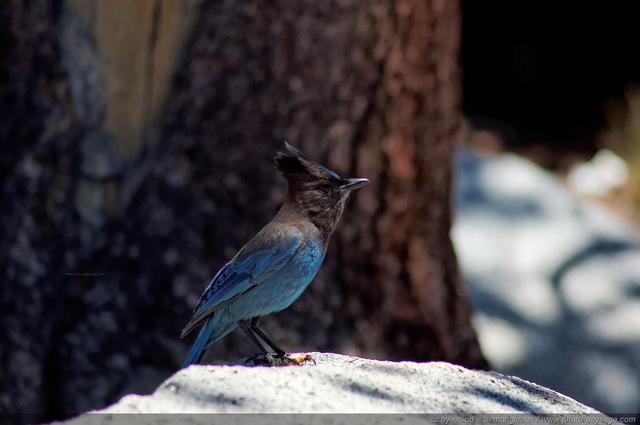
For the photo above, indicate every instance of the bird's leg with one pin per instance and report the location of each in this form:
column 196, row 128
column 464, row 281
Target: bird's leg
column 264, row 359
column 246, row 326
column 253, row 326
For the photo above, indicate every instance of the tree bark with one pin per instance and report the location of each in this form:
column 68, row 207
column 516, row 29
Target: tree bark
column 370, row 88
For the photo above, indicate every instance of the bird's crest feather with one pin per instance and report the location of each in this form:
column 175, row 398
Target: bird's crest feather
column 295, row 163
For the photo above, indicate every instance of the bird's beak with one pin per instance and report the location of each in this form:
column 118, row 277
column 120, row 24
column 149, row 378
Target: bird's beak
column 351, row 184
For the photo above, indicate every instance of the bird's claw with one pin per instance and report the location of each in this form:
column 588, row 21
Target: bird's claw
column 262, row 359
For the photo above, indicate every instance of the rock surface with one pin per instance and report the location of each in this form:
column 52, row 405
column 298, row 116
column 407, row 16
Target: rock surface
column 554, row 281
column 342, row 384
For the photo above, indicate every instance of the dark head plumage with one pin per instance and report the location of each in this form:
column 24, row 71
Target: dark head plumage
column 317, row 191
column 297, row 165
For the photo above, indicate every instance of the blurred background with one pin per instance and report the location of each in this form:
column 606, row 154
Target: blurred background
column 499, row 231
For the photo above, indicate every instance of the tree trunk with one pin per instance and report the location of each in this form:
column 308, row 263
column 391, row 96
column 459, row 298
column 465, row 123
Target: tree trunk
column 370, row 88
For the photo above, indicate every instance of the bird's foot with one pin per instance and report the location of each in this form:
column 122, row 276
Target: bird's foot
column 295, row 359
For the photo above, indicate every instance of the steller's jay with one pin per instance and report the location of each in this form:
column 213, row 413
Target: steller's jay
column 274, row 268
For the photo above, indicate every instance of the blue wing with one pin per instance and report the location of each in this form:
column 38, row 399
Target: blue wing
column 242, row 273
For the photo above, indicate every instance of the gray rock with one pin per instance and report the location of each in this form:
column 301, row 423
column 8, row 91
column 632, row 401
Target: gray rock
column 554, row 280
column 342, row 384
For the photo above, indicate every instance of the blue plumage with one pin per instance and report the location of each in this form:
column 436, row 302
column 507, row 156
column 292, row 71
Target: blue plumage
column 275, row 267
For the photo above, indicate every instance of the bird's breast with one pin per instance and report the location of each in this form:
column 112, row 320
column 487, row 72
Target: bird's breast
column 283, row 287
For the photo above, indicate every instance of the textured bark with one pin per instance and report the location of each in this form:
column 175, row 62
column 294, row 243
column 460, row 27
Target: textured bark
column 371, row 88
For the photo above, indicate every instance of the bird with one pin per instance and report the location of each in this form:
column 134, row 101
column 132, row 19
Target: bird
column 273, row 269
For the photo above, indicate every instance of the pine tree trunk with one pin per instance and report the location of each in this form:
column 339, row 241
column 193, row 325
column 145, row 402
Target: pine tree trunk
column 371, row 88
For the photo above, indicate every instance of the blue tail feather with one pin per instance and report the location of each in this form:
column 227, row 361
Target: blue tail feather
column 202, row 343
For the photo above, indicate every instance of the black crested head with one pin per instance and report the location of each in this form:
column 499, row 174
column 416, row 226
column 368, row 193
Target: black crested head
column 317, row 191
column 295, row 165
